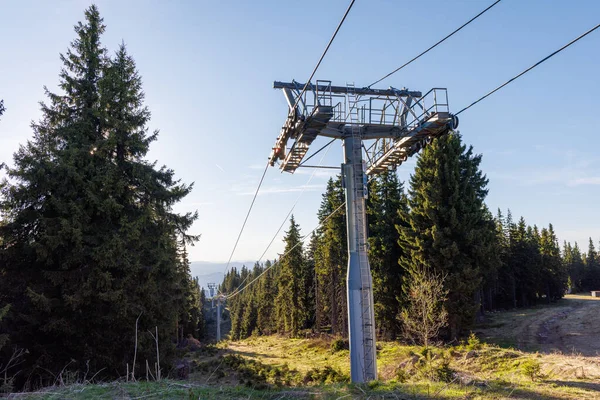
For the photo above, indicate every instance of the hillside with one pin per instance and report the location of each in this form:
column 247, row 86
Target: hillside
column 274, row 367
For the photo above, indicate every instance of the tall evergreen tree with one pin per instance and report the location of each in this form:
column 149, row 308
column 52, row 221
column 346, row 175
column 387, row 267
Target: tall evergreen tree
column 331, row 261
column 290, row 302
column 239, row 303
column 201, row 313
column 568, row 261
column 266, row 300
column 90, row 239
column 386, row 199
column 310, row 282
column 592, row 268
column 189, row 295
column 554, row 276
column 576, row 269
column 250, row 299
column 448, row 228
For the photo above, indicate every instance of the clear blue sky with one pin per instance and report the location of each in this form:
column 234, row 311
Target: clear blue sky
column 208, row 68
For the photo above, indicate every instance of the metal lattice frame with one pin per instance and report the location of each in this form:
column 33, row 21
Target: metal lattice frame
column 400, row 123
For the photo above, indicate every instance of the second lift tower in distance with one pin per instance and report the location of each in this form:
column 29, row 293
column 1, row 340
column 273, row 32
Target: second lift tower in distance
column 397, row 123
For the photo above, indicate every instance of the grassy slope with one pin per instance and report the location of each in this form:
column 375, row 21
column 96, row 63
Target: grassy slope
column 480, row 372
column 277, row 368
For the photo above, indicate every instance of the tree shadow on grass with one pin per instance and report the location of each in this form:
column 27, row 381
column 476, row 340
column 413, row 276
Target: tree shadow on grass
column 594, row 386
column 506, row 390
column 252, row 354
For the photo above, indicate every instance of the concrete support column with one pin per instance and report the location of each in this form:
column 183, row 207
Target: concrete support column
column 361, row 318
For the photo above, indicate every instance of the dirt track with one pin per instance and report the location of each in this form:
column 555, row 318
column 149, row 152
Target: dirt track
column 571, row 326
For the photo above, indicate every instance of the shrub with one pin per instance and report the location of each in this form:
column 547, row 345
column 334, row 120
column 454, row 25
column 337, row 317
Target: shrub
column 339, row 345
column 325, row 375
column 258, row 375
column 434, row 366
column 532, row 369
column 473, row 342
column 401, row 375
column 444, row 373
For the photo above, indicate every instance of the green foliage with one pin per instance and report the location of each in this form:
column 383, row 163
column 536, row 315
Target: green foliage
column 331, row 260
column 325, row 375
column 267, row 290
column 473, row 342
column 258, row 375
column 279, row 300
column 531, row 368
column 339, row 345
column 3, row 337
column 429, row 363
column 290, row 304
column 386, row 199
column 90, row 241
column 444, row 373
column 554, row 275
column 402, row 375
column 425, row 314
column 576, row 268
column 591, row 279
column 531, row 268
column 447, row 228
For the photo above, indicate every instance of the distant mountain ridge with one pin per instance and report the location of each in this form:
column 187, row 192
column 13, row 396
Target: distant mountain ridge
column 214, row 272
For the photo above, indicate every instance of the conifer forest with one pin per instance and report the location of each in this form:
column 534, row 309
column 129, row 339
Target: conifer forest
column 95, row 275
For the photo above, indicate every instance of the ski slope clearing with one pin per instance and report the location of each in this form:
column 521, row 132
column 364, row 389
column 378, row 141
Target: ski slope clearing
column 572, row 326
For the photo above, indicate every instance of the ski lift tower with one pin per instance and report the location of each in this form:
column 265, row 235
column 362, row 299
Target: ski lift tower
column 399, row 123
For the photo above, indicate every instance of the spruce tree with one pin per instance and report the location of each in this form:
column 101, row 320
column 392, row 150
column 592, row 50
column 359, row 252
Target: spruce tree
column 250, row 299
column 448, row 229
column 189, row 296
column 90, row 240
column 492, row 260
column 239, row 303
column 577, row 269
column 331, row 261
column 3, row 337
column 568, row 264
column 553, row 282
column 310, row 282
column 592, row 268
column 518, row 275
column 386, row 198
column 202, row 313
column 289, row 304
column 266, row 300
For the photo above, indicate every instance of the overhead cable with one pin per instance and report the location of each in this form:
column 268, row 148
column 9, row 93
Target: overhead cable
column 262, row 178
column 327, row 146
column 241, row 289
column 323, row 55
column 530, row 68
column 286, row 253
column 297, row 100
column 317, row 152
column 435, row 45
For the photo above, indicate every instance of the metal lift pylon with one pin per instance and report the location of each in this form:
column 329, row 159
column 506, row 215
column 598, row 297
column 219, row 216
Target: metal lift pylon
column 401, row 122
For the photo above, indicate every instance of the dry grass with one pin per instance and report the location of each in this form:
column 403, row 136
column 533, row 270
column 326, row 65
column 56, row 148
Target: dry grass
column 300, row 354
column 570, row 326
column 536, row 367
column 480, row 371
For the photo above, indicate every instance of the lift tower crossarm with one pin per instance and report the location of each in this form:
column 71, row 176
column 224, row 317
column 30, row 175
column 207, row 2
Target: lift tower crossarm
column 401, row 122
column 343, row 90
column 398, row 119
